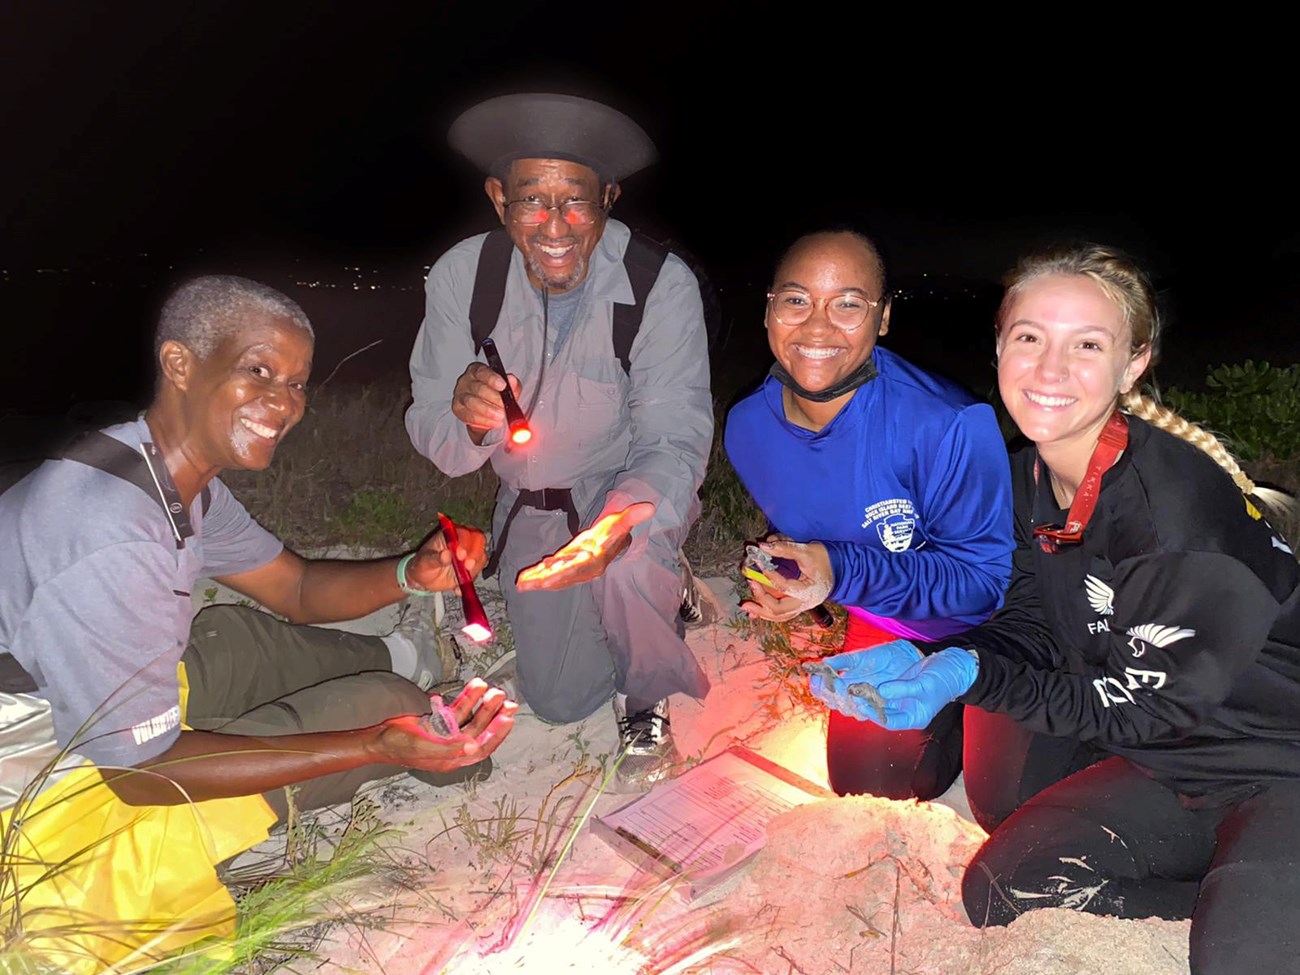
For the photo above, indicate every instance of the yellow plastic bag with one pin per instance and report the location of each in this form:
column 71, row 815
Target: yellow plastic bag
column 101, row 883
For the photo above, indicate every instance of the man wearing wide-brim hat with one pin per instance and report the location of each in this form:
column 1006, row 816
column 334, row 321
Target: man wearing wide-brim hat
column 609, row 363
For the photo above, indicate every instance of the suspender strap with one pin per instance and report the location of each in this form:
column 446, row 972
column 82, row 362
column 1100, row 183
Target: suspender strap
column 144, row 468
column 98, row 450
column 547, row 499
column 489, row 285
column 102, row 452
column 643, row 260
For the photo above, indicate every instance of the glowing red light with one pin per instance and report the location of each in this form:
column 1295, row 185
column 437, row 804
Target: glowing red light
column 521, row 435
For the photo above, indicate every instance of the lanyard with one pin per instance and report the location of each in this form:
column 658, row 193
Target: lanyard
column 1113, row 440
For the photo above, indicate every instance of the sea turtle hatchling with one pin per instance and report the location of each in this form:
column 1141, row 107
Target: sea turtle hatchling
column 861, row 690
column 441, row 721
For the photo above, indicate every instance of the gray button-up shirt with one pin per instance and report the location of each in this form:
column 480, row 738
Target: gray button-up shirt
column 613, row 437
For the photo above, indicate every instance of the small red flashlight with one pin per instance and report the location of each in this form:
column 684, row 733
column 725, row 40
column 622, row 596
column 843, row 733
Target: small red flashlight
column 520, row 432
column 476, row 627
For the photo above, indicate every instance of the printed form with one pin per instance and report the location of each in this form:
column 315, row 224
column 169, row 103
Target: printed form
column 712, row 818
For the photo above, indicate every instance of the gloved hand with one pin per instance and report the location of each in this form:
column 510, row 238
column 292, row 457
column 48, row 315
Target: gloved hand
column 873, row 666
column 912, row 701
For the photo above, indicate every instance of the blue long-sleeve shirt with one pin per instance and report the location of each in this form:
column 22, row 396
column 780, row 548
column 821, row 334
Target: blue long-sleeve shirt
column 908, row 487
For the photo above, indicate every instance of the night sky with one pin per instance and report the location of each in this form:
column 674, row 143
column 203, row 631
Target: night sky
column 246, row 136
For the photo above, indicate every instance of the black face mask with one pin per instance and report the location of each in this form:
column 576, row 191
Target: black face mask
column 858, row 377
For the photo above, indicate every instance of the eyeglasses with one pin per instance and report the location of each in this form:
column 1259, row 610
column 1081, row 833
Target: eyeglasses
column 534, row 213
column 847, row 310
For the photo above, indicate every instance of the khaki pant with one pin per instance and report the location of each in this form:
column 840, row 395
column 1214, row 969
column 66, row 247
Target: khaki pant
column 251, row 674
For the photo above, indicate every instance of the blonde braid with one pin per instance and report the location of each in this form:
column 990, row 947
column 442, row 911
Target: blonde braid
column 1163, row 418
column 1281, row 509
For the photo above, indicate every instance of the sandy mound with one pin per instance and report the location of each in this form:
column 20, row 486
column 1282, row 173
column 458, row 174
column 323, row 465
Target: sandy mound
column 844, row 885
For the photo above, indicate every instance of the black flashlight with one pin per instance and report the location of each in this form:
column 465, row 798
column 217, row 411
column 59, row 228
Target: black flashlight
column 519, row 431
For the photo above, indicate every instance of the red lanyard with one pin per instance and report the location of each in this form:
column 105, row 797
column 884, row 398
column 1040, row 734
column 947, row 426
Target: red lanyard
column 1113, row 440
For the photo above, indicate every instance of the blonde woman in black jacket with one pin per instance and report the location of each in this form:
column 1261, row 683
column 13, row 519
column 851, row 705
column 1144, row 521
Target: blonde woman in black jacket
column 1142, row 683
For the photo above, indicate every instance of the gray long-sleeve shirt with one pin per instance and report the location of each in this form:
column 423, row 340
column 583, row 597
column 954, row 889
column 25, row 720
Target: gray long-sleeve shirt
column 613, row 437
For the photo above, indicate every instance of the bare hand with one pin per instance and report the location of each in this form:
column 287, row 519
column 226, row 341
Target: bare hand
column 589, row 552
column 431, row 569
column 476, row 400
column 485, row 717
column 795, row 595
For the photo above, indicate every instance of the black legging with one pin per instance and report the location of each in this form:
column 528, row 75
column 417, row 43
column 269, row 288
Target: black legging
column 1111, row 840
column 1005, row 765
column 1073, row 828
column 863, row 758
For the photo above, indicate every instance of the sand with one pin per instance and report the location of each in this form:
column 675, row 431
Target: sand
column 856, row 885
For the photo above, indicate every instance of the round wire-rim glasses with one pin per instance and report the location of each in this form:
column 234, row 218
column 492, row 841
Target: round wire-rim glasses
column 846, row 310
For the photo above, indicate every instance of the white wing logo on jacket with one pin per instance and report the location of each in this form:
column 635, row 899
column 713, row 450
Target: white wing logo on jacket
column 1155, row 634
column 1101, row 597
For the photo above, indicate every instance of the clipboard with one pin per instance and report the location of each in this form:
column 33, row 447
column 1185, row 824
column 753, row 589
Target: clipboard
column 709, row 822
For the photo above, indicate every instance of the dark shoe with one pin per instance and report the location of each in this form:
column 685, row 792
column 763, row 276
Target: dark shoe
column 645, row 744
column 699, row 606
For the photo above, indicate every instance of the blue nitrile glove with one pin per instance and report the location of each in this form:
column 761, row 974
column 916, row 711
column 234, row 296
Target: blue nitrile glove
column 912, row 701
column 873, row 665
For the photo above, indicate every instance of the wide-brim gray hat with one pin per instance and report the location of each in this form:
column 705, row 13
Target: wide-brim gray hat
column 496, row 132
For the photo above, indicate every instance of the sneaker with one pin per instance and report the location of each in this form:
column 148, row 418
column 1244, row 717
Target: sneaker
column 646, row 745
column 699, row 605
column 424, row 655
column 504, row 673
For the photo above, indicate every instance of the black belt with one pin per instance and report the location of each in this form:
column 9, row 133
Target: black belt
column 547, row 499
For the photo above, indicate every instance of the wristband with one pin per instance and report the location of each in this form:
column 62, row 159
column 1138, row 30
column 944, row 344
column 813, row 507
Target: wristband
column 410, row 590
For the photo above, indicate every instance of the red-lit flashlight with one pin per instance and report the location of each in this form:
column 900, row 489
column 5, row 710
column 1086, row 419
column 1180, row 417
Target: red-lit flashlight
column 476, row 627
column 519, row 431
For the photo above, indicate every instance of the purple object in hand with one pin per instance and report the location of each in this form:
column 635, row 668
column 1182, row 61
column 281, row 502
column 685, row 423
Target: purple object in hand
column 764, row 563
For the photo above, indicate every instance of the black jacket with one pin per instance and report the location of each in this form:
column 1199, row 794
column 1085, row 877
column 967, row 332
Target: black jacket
column 1170, row 635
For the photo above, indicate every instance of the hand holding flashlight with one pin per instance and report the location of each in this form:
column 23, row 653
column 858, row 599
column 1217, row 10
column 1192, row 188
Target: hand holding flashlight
column 518, row 431
column 432, row 570
column 478, row 399
column 477, row 627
